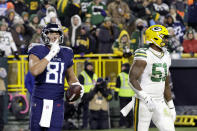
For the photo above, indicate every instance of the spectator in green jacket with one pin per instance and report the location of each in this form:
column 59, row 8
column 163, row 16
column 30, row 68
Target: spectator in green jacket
column 137, row 37
column 97, row 11
column 123, row 46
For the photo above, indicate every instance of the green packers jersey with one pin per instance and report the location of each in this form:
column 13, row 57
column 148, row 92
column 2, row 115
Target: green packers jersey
column 84, row 4
column 95, row 12
column 153, row 78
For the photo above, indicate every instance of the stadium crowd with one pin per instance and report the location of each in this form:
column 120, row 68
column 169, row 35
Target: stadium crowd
column 97, row 26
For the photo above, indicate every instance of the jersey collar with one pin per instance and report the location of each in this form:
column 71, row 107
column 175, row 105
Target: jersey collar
column 157, row 53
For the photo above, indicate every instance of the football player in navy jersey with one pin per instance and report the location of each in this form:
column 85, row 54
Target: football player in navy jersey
column 50, row 63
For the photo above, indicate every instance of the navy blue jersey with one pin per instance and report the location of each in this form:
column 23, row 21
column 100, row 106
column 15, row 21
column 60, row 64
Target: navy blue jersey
column 50, row 83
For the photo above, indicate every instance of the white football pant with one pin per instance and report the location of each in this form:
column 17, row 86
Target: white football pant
column 161, row 116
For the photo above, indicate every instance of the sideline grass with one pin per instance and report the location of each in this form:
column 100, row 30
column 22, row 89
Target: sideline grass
column 152, row 129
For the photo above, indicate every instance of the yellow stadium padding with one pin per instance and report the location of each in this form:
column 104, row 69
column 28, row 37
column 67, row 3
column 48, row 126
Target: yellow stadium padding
column 185, row 120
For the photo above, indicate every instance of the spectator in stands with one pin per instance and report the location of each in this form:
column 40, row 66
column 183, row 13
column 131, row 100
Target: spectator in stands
column 85, row 43
column 124, row 94
column 20, row 6
column 107, row 34
column 190, row 42
column 34, row 21
column 20, row 38
column 192, row 15
column 99, row 106
column 66, row 37
column 62, row 6
column 42, row 12
column 88, row 79
column 137, row 37
column 13, row 18
column 175, row 15
column 3, row 74
column 97, row 12
column 84, row 4
column 51, row 17
column 174, row 45
column 178, row 27
column 120, row 13
column 33, row 5
column 72, row 8
column 122, row 46
column 36, row 38
column 7, row 44
column 161, row 8
column 74, row 31
column 5, row 6
column 25, row 17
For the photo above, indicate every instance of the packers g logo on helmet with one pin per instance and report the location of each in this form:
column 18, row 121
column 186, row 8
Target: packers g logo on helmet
column 155, row 34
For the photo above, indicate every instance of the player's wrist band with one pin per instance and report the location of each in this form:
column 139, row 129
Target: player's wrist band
column 48, row 57
column 142, row 94
column 170, row 104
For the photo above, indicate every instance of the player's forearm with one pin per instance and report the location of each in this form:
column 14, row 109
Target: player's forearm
column 167, row 94
column 39, row 67
column 135, row 84
column 167, row 91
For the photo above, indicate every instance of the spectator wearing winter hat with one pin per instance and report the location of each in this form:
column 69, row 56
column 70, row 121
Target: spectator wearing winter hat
column 107, row 34
column 86, row 43
column 13, row 18
column 74, row 31
column 5, row 6
column 190, row 42
column 138, row 35
column 51, row 17
column 34, row 21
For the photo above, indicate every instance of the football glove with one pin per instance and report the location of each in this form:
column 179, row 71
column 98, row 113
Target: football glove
column 172, row 109
column 82, row 88
column 55, row 48
column 147, row 100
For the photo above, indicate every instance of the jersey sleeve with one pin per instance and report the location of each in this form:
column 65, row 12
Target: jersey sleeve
column 71, row 58
column 35, row 50
column 140, row 54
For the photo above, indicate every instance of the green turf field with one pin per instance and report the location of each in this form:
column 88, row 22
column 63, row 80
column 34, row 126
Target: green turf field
column 152, row 129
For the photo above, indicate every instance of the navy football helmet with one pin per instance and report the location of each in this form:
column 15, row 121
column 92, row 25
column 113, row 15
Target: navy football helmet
column 51, row 28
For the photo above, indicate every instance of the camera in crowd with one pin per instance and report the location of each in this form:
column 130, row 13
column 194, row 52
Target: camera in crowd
column 2, row 53
column 101, row 83
column 126, row 52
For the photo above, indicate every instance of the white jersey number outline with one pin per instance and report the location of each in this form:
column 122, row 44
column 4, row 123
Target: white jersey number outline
column 54, row 71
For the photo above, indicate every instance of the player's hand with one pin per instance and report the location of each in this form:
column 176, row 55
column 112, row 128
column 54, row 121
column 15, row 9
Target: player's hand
column 172, row 109
column 82, row 88
column 150, row 103
column 55, row 48
column 147, row 100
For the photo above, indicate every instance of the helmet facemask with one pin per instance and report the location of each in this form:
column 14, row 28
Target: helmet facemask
column 51, row 28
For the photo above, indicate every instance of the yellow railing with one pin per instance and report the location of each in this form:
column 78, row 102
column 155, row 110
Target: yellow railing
column 105, row 65
column 185, row 120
